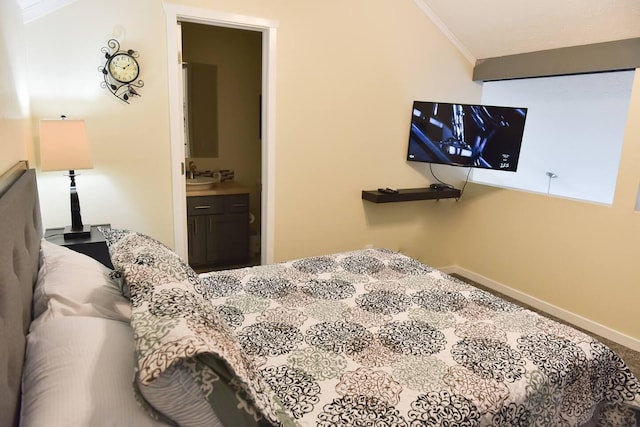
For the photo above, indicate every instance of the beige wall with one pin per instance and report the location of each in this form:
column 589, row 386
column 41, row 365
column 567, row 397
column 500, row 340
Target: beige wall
column 343, row 96
column 14, row 97
column 130, row 184
column 346, row 75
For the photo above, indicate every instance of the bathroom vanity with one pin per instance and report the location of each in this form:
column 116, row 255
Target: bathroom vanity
column 218, row 225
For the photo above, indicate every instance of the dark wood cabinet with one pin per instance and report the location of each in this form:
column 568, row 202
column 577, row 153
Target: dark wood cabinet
column 197, row 244
column 218, row 229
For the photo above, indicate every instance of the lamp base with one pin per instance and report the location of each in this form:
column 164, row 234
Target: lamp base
column 77, row 233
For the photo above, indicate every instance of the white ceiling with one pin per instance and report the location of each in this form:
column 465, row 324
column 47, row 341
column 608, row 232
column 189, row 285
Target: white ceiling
column 489, row 28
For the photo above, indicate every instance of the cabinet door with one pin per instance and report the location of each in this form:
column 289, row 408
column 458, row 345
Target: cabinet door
column 212, row 244
column 198, row 237
column 229, row 239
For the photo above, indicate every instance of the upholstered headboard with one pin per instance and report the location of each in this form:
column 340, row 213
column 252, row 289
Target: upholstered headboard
column 20, row 234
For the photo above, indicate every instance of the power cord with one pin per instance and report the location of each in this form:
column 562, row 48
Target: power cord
column 464, row 185
column 434, row 175
column 449, row 185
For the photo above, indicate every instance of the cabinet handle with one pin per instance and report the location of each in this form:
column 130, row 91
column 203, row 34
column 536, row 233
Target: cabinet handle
column 202, row 207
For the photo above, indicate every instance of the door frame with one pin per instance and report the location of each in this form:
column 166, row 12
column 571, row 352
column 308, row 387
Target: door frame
column 268, row 28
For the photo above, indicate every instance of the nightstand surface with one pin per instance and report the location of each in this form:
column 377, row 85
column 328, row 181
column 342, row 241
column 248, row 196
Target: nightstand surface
column 94, row 246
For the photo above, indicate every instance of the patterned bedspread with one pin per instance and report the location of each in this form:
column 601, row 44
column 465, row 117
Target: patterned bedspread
column 373, row 337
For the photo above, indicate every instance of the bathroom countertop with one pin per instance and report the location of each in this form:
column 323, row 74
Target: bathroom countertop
column 218, row 189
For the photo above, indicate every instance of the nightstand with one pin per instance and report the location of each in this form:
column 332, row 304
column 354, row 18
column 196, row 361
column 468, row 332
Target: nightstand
column 94, row 246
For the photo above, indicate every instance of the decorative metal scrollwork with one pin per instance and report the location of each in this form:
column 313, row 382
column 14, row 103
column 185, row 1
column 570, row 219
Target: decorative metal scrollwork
column 119, row 89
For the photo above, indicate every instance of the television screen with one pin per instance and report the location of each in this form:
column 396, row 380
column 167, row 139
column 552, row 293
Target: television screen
column 481, row 136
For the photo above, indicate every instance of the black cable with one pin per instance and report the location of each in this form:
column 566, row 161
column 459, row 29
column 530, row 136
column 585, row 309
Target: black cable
column 449, row 185
column 464, row 185
column 434, row 175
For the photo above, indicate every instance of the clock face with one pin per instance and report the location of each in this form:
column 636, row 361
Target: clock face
column 124, row 68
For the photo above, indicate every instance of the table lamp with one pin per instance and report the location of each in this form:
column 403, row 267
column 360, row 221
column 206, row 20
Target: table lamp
column 64, row 146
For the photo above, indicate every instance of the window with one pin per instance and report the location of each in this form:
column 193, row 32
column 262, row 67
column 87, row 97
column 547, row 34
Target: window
column 574, row 131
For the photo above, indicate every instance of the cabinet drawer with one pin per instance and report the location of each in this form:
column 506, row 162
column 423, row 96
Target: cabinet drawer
column 205, row 205
column 236, row 203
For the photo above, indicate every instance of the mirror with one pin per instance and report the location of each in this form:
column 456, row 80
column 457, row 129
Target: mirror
column 200, row 109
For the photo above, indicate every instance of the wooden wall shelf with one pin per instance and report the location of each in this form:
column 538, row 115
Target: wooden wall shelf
column 409, row 194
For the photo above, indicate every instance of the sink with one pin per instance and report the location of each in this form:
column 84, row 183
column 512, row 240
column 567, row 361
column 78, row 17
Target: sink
column 200, row 183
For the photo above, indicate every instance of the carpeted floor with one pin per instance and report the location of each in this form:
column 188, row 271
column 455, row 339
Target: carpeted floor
column 630, row 357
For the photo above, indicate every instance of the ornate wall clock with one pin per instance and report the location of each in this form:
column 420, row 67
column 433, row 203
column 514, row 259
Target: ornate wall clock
column 120, row 71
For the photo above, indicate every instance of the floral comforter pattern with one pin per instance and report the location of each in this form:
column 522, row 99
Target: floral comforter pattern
column 376, row 337
column 373, row 337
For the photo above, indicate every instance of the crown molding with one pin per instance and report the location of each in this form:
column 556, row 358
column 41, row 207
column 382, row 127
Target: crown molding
column 446, row 31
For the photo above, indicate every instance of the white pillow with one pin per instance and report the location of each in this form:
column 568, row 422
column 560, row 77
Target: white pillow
column 79, row 372
column 72, row 284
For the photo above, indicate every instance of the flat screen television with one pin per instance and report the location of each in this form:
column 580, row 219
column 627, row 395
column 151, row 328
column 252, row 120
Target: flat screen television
column 480, row 136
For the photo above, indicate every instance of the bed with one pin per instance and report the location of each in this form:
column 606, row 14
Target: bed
column 367, row 337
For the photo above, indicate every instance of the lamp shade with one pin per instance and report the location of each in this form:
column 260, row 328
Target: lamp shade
column 64, row 145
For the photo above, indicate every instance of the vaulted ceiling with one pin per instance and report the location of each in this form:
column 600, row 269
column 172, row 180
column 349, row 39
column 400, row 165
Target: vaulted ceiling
column 490, row 28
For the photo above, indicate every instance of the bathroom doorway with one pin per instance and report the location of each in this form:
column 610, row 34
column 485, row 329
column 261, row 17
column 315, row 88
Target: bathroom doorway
column 222, row 81
column 263, row 186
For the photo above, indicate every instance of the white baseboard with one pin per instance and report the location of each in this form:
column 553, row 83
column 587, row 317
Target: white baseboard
column 574, row 319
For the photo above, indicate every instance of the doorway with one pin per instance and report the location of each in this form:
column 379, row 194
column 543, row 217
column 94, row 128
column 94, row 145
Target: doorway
column 267, row 28
column 223, row 88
